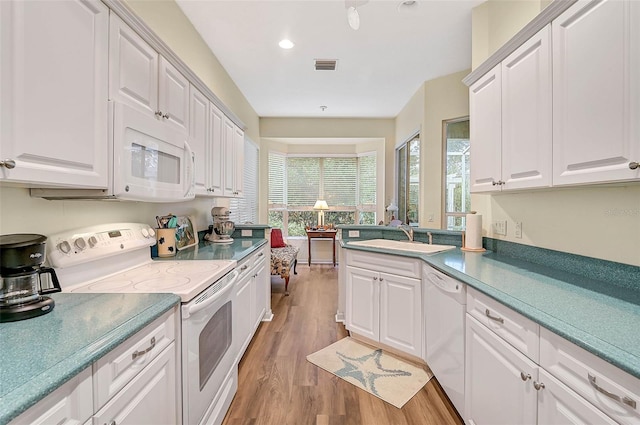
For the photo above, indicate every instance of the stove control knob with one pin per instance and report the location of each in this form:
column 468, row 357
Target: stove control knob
column 80, row 243
column 145, row 233
column 152, row 233
column 93, row 242
column 65, row 247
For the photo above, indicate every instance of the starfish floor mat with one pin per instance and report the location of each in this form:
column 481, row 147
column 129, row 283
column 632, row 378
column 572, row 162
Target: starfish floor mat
column 373, row 370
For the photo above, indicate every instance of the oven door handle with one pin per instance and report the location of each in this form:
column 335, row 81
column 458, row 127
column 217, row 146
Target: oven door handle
column 204, row 304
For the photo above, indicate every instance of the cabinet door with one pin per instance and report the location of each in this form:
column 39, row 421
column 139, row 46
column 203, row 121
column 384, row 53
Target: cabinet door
column 498, row 380
column 150, row 398
column 70, row 404
column 54, row 85
column 238, row 179
column 401, row 313
column 558, row 404
column 173, row 96
column 596, row 92
column 363, row 302
column 242, row 318
column 526, row 114
column 216, row 158
column 486, row 132
column 133, row 68
column 199, row 139
column 261, row 287
column 229, row 159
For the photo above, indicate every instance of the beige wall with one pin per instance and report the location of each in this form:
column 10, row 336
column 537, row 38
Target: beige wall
column 166, row 19
column 437, row 100
column 596, row 221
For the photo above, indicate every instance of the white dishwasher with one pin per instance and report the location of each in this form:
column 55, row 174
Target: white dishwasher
column 444, row 300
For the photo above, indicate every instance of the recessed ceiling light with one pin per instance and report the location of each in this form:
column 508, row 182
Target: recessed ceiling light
column 286, row 44
column 407, row 5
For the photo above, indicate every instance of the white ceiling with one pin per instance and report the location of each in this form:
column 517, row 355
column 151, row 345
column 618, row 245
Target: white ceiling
column 380, row 66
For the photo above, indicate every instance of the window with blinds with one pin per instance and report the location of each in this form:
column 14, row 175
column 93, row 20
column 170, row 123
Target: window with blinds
column 245, row 210
column 347, row 183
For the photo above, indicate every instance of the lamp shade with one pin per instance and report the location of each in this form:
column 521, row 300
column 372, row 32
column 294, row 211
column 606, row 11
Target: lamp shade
column 321, row 205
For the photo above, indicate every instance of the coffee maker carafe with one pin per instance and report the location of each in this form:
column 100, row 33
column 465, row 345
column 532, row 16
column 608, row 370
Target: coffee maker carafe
column 23, row 280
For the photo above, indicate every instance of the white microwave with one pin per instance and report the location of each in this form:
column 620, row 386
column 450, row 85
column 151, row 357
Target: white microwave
column 150, row 161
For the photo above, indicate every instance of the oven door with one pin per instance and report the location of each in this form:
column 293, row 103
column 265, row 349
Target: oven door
column 152, row 162
column 207, row 346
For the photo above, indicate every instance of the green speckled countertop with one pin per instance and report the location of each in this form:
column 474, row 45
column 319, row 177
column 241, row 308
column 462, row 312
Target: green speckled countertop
column 601, row 316
column 205, row 250
column 38, row 355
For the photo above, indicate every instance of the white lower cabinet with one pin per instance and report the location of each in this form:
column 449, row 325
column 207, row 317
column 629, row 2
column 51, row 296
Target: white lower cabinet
column 251, row 299
column 384, row 307
column 70, row 404
column 150, row 398
column 498, row 380
column 505, row 383
column 133, row 384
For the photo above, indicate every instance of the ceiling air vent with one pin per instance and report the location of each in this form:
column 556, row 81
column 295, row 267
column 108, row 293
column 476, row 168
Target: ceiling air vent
column 326, row 64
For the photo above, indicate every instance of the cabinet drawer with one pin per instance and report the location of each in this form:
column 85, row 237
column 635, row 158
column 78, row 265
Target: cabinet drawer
column 384, row 263
column 113, row 371
column 72, row 402
column 517, row 330
column 610, row 389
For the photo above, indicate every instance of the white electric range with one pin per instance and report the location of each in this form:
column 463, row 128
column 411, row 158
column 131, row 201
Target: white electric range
column 115, row 258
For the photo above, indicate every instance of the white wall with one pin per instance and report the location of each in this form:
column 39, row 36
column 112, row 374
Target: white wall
column 595, row 221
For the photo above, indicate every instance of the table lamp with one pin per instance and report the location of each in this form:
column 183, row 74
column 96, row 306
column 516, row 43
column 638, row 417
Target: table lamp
column 321, row 206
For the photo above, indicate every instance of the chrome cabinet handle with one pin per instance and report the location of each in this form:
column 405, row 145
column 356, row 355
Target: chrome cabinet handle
column 261, row 254
column 375, row 278
column 624, row 400
column 243, row 268
column 137, row 354
column 158, row 114
column 525, row 377
column 487, row 312
column 111, row 423
column 165, row 116
column 8, row 164
column 381, row 279
column 633, row 165
column 538, row 385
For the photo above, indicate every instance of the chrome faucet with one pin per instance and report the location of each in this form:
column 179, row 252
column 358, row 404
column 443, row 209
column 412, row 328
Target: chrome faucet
column 408, row 230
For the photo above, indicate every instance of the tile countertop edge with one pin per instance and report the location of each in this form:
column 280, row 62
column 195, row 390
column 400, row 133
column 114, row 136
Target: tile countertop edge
column 606, row 351
column 30, row 393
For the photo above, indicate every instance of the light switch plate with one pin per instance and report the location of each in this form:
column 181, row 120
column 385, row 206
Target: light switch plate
column 518, row 232
column 500, row 227
column 246, row 233
column 354, row 233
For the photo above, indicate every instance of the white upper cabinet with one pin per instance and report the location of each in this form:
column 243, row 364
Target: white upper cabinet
column 54, row 88
column 596, row 100
column 486, row 131
column 510, row 110
column 199, row 138
column 145, row 80
column 238, row 145
column 216, row 159
column 526, row 114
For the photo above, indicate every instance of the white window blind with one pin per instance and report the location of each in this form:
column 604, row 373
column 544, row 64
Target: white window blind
column 245, row 210
column 303, row 181
column 339, row 182
column 367, row 183
column 277, row 179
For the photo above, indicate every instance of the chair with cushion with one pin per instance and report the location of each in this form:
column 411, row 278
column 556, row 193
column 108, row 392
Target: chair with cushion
column 284, row 257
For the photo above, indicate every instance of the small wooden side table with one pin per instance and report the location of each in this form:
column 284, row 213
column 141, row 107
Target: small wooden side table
column 322, row 234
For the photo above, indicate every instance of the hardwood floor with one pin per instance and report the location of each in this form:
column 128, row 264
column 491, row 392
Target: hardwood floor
column 278, row 386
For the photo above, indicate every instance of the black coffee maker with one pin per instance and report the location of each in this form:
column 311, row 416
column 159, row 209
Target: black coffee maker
column 23, row 280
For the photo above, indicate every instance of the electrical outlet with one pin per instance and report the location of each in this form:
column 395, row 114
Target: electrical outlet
column 430, row 219
column 246, row 233
column 500, row 227
column 354, row 233
column 518, row 232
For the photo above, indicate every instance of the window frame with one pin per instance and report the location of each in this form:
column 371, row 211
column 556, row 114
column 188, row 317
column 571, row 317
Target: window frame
column 415, row 136
column 445, row 215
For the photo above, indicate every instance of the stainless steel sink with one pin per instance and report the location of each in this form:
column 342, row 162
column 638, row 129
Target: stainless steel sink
column 402, row 245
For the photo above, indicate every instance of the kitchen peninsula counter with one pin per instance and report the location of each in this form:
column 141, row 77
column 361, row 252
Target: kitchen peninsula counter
column 40, row 354
column 592, row 303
